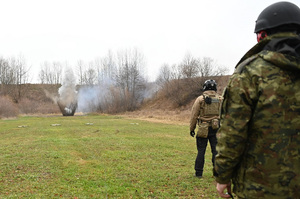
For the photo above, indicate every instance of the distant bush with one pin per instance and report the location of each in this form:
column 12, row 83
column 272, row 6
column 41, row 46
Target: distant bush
column 28, row 106
column 7, row 107
column 181, row 92
column 47, row 108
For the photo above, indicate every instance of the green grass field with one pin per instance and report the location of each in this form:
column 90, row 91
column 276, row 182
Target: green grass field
column 98, row 156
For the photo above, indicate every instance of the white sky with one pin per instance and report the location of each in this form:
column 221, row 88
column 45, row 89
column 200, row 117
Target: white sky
column 163, row 30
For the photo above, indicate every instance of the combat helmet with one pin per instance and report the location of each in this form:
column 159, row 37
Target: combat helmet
column 278, row 14
column 210, row 85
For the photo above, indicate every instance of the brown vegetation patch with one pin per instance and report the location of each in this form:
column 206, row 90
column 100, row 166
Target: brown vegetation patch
column 7, row 107
column 178, row 117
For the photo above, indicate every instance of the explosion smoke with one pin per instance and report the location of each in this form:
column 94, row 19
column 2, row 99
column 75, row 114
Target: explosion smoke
column 93, row 98
column 67, row 100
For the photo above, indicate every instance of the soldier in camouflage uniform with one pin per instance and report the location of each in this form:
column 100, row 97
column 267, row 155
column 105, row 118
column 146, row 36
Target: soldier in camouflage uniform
column 258, row 141
column 205, row 113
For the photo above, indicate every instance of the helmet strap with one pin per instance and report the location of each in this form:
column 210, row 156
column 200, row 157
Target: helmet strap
column 261, row 35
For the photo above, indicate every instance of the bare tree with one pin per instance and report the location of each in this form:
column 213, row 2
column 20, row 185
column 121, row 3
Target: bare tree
column 189, row 66
column 117, row 82
column 90, row 76
column 164, row 75
column 80, row 71
column 50, row 73
column 208, row 67
column 185, row 79
column 87, row 75
column 17, row 74
column 221, row 70
column 105, row 67
column 205, row 66
column 43, row 74
column 176, row 71
column 6, row 72
column 130, row 78
column 57, row 72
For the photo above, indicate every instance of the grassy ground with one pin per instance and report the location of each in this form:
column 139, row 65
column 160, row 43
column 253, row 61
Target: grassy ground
column 99, row 156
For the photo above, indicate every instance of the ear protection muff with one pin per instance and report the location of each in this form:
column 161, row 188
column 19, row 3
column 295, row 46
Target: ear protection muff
column 261, row 35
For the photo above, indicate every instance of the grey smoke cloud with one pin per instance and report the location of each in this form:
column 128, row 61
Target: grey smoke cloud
column 94, row 98
column 67, row 100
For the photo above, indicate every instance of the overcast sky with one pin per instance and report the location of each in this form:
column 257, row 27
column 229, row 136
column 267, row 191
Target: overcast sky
column 162, row 30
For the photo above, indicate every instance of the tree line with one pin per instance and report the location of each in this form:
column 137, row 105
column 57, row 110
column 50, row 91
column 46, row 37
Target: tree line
column 123, row 73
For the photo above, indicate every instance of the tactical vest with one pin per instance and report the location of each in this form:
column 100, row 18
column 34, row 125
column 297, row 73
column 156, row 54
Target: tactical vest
column 209, row 111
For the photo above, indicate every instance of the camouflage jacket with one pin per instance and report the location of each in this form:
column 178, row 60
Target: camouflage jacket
column 258, row 141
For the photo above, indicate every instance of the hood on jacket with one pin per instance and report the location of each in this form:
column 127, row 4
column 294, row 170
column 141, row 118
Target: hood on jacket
column 282, row 49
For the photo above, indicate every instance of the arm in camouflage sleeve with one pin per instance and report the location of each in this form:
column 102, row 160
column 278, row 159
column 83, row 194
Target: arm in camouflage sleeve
column 236, row 113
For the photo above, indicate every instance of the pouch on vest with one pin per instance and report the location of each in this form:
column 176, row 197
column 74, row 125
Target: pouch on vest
column 202, row 130
column 215, row 124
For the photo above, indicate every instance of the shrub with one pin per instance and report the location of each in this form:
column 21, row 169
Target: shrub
column 28, row 106
column 47, row 108
column 7, row 107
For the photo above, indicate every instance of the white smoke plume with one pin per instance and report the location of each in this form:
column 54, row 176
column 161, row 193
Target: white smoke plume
column 67, row 100
column 95, row 98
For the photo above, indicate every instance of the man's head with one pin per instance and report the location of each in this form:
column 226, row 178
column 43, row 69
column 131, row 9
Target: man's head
column 278, row 17
column 210, row 85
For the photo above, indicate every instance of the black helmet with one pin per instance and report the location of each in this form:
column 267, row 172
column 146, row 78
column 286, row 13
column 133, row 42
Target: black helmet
column 278, row 14
column 210, row 85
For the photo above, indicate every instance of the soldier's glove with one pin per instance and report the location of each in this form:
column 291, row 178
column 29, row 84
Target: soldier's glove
column 192, row 133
